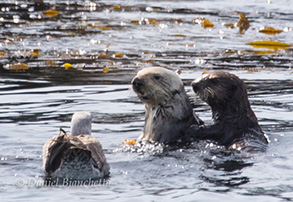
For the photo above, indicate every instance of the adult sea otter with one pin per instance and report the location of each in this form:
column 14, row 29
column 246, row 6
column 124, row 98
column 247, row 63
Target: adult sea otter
column 169, row 117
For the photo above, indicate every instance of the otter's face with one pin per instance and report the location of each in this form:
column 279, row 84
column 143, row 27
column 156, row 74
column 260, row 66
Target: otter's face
column 156, row 85
column 218, row 89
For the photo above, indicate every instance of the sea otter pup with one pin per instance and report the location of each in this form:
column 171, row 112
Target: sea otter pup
column 169, row 117
column 78, row 156
column 235, row 124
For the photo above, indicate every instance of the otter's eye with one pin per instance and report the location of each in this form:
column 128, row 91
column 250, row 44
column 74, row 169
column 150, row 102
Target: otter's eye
column 157, row 76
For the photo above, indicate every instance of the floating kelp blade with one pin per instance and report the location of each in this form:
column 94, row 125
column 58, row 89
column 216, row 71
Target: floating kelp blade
column 51, row 13
column 270, row 30
column 269, row 44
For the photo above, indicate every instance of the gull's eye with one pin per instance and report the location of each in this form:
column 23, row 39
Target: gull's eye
column 157, row 76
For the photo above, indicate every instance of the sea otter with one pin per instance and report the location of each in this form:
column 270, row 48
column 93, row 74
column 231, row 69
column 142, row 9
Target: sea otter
column 78, row 156
column 169, row 117
column 235, row 124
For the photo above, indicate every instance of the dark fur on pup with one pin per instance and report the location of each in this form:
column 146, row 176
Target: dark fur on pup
column 235, row 124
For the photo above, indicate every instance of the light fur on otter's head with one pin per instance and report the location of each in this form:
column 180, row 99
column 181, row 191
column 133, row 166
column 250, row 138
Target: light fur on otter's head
column 156, row 85
column 234, row 119
column 169, row 115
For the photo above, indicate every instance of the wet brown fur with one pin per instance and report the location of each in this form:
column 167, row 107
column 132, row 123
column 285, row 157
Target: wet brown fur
column 235, row 124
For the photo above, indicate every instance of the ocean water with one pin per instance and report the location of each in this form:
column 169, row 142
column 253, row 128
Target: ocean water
column 107, row 42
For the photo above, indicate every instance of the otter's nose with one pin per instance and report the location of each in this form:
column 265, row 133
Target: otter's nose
column 137, row 83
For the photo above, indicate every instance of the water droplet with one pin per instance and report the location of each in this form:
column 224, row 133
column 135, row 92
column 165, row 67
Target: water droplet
column 31, row 9
column 32, row 16
column 16, row 19
column 23, row 5
column 149, row 9
column 221, row 32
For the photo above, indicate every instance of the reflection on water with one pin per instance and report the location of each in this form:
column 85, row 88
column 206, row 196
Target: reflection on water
column 106, row 42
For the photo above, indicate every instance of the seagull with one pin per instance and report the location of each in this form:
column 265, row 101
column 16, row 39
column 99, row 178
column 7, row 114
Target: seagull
column 75, row 156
